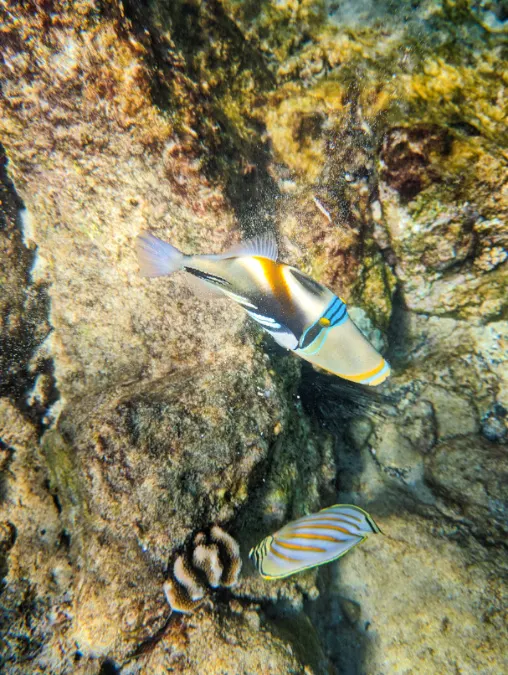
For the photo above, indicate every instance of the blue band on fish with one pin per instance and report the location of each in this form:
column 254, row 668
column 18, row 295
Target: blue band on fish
column 336, row 314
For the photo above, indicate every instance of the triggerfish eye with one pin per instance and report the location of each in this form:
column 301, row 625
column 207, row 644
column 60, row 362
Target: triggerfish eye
column 312, row 540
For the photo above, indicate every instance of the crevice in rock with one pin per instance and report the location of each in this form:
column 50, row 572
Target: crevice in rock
column 6, row 457
column 398, row 330
column 27, row 377
column 146, row 646
column 109, row 667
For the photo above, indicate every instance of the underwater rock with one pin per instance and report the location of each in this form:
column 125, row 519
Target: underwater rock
column 372, row 135
column 470, row 476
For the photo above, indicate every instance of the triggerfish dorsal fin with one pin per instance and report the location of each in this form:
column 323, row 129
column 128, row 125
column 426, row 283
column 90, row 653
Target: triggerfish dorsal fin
column 262, row 246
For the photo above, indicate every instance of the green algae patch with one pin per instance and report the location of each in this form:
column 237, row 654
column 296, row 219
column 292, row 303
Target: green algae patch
column 375, row 288
column 64, row 474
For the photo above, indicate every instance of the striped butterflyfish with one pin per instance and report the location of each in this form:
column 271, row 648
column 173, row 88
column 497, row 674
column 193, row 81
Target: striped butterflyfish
column 312, row 540
column 298, row 312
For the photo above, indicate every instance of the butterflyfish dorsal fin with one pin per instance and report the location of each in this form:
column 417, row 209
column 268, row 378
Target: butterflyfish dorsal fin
column 262, row 246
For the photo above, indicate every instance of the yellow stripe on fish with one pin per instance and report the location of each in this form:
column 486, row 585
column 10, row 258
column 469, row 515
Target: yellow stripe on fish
column 298, row 312
column 271, row 274
column 289, row 550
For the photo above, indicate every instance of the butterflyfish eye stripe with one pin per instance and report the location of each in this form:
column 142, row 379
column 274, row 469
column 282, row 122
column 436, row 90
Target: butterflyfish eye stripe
column 313, row 540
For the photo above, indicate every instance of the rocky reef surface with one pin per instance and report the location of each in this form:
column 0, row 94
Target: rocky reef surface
column 371, row 136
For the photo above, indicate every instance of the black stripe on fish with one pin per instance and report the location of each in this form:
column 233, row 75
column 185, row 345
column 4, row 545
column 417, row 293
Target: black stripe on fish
column 205, row 276
column 308, row 283
column 311, row 335
column 335, row 314
column 338, row 315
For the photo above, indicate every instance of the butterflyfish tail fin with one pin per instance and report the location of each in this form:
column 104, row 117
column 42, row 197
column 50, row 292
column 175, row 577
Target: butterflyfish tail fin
column 157, row 258
column 262, row 246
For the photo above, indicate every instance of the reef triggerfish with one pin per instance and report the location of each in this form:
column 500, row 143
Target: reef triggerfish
column 298, row 312
column 312, row 540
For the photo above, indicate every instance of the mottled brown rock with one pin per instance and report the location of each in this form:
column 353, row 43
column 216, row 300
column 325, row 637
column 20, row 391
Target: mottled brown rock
column 470, row 474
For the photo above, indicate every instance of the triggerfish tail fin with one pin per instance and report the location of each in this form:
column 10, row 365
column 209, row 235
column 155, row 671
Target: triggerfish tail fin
column 157, row 258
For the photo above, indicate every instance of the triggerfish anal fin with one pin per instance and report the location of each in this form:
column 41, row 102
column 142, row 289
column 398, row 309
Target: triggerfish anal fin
column 312, row 541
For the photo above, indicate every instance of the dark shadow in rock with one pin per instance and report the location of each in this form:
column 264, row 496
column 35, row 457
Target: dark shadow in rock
column 410, row 158
column 339, row 622
column 334, row 401
column 297, row 629
column 398, row 331
column 232, row 156
column 109, row 668
column 6, row 457
column 24, row 310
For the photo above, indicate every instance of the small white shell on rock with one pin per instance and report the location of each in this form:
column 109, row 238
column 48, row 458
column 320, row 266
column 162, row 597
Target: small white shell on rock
column 186, row 577
column 215, row 558
column 206, row 558
column 231, row 549
column 178, row 598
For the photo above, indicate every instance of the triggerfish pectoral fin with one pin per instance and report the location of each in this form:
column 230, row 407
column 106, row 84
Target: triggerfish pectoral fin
column 343, row 350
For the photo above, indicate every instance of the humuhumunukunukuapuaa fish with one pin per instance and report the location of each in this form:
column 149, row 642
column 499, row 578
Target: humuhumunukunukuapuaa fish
column 312, row 540
column 298, row 312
